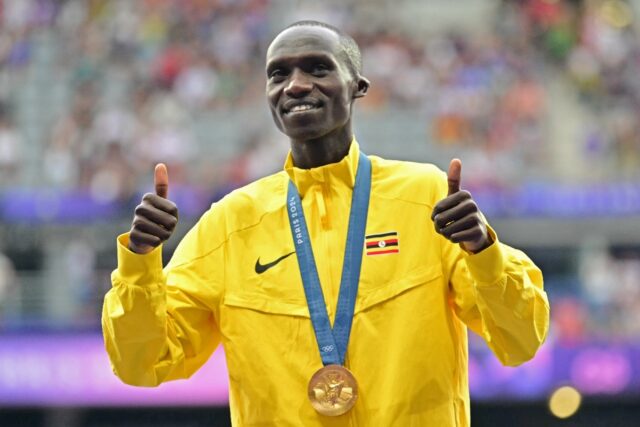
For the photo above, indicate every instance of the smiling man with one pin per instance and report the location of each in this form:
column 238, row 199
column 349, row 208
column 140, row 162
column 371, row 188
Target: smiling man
column 341, row 288
column 313, row 77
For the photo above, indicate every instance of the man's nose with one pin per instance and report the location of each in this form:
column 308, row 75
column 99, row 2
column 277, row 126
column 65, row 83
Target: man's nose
column 299, row 85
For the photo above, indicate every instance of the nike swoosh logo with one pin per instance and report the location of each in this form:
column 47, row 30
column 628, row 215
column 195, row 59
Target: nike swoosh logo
column 261, row 268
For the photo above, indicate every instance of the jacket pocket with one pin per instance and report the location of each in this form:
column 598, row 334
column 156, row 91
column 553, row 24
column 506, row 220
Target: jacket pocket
column 369, row 297
column 283, row 295
column 267, row 304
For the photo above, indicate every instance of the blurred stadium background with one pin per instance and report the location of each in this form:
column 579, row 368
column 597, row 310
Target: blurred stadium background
column 539, row 98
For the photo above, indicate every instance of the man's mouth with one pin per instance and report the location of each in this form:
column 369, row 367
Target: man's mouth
column 301, row 107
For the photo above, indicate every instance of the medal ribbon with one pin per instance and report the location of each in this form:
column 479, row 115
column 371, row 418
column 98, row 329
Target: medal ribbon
column 332, row 342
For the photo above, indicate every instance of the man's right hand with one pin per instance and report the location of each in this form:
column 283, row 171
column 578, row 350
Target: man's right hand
column 155, row 217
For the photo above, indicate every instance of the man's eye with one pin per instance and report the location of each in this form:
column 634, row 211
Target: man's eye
column 319, row 69
column 277, row 73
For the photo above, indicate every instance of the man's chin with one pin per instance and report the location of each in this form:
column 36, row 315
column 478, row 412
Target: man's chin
column 303, row 133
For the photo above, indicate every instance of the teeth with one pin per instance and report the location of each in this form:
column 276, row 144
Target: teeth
column 303, row 107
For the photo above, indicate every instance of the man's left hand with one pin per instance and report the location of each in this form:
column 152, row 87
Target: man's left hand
column 457, row 216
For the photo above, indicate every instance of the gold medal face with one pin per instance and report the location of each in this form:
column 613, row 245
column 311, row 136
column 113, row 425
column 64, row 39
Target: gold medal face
column 333, row 390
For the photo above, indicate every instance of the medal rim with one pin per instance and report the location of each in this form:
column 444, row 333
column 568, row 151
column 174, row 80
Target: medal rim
column 347, row 406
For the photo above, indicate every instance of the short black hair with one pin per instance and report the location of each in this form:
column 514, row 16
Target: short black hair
column 349, row 47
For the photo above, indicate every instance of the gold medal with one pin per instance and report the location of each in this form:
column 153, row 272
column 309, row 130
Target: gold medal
column 333, row 390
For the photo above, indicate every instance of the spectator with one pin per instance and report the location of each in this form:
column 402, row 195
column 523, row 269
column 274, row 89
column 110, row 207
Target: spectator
column 10, row 149
column 7, row 282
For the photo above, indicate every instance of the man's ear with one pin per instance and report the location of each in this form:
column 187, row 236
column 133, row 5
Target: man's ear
column 362, row 88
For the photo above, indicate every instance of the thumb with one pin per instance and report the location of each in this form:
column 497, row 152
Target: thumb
column 161, row 180
column 453, row 177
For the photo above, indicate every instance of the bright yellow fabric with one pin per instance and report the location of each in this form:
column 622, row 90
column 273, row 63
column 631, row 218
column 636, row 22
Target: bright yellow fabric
column 408, row 345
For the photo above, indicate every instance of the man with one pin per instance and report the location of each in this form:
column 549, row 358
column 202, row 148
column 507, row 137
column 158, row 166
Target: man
column 401, row 261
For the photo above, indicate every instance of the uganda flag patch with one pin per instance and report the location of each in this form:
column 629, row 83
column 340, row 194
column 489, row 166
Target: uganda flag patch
column 382, row 243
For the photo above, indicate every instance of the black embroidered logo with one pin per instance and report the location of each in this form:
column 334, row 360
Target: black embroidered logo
column 261, row 268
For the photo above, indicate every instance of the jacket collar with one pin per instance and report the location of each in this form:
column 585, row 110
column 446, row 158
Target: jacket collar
column 343, row 171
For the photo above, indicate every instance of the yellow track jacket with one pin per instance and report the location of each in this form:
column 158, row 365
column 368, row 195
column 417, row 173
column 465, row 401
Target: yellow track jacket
column 418, row 293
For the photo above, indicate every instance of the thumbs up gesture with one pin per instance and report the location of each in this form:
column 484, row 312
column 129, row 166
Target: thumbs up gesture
column 457, row 216
column 155, row 217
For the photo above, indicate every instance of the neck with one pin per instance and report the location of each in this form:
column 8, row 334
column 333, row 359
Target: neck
column 313, row 153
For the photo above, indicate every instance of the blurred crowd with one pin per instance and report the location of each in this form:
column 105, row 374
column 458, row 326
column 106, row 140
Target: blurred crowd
column 94, row 92
column 595, row 45
column 480, row 94
column 128, row 83
column 606, row 304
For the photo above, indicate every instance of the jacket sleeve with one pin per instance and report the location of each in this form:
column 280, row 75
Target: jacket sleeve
column 498, row 293
column 160, row 325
